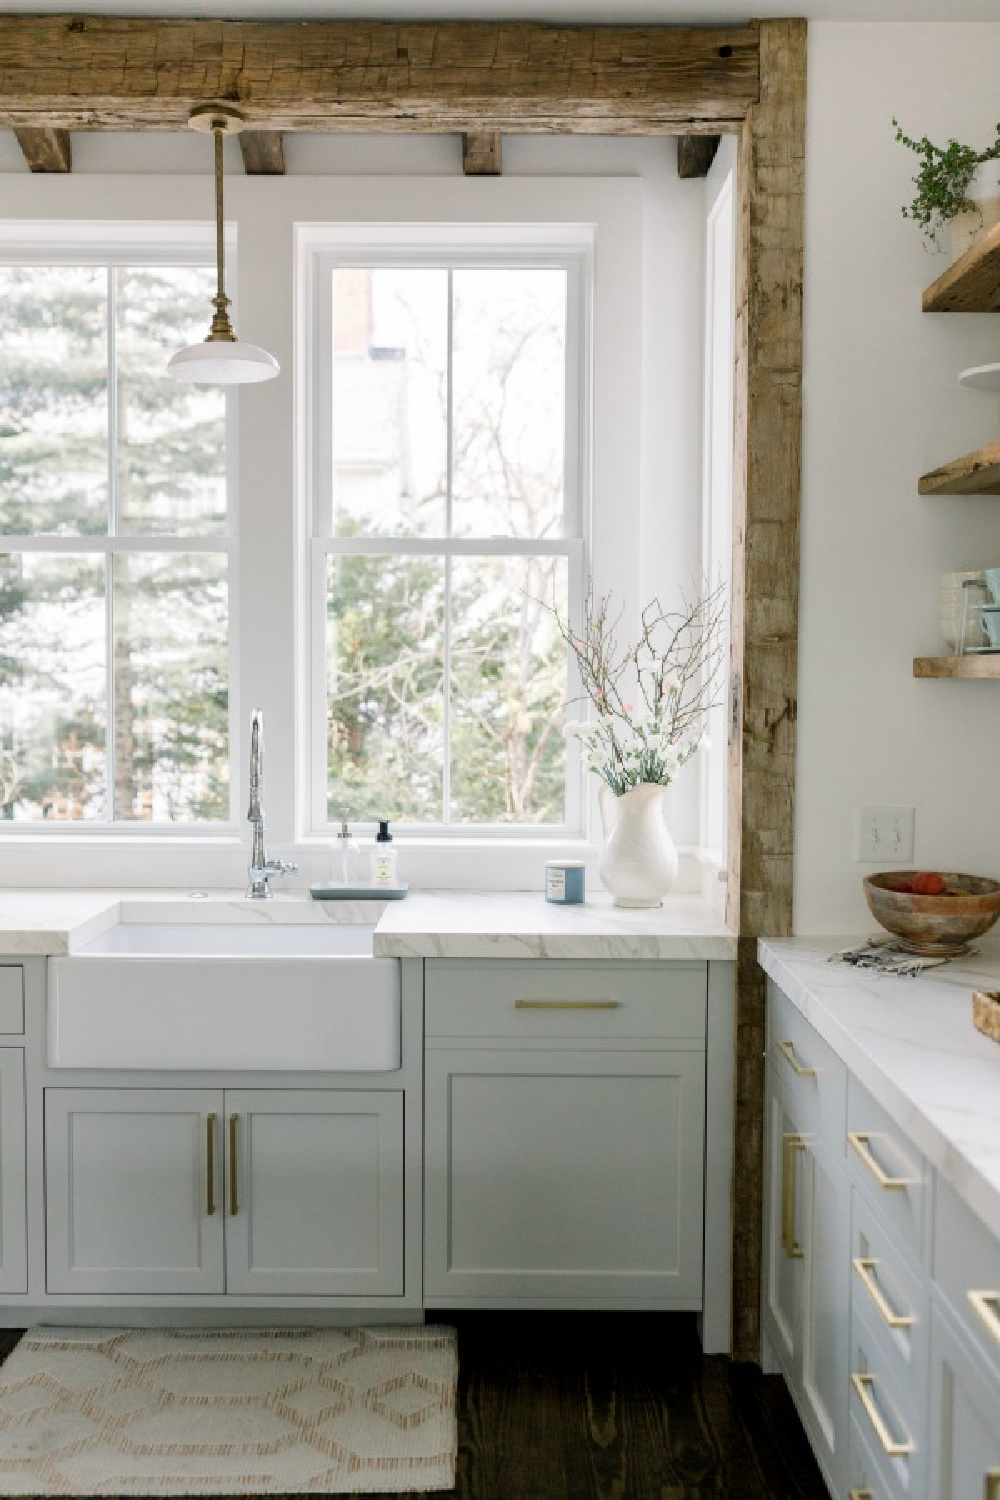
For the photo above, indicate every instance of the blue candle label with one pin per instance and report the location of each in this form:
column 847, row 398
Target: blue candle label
column 555, row 885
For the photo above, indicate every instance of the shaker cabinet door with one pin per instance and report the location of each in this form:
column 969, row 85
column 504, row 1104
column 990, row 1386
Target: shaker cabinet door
column 133, row 1190
column 573, row 1178
column 314, row 1192
column 13, row 1241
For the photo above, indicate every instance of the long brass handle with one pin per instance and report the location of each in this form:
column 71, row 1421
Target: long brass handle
column 567, row 1004
column 859, row 1140
column 790, row 1144
column 234, row 1195
column 991, row 1490
column 864, row 1268
column 892, row 1449
column 787, row 1050
column 210, row 1162
column 986, row 1305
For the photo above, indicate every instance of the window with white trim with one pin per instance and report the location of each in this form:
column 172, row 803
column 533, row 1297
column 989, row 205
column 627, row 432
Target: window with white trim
column 448, row 411
column 115, row 540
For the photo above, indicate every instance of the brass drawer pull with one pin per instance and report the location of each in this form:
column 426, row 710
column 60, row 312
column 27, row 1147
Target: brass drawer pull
column 234, row 1197
column 864, row 1268
column 860, row 1495
column 567, row 1004
column 790, row 1144
column 860, row 1141
column 986, row 1305
column 863, row 1384
column 210, row 1162
column 787, row 1050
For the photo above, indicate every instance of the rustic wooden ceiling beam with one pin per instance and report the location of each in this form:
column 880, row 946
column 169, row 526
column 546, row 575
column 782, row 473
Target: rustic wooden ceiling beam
column 263, row 153
column 78, row 72
column 45, row 150
column 695, row 154
column 482, row 154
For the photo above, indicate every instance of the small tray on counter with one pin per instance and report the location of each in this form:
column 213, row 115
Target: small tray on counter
column 322, row 892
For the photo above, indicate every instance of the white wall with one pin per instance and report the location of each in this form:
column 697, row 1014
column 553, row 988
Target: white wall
column 882, row 406
column 148, row 175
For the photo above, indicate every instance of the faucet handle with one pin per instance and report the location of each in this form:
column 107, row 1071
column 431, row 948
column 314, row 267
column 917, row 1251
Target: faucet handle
column 281, row 867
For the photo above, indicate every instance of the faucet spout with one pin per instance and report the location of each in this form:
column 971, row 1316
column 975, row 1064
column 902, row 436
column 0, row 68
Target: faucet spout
column 261, row 868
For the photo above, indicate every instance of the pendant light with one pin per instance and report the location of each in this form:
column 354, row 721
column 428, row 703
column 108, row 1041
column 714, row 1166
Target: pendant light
column 221, row 359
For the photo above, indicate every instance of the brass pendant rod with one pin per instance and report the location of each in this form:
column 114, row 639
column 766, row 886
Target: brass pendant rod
column 222, row 328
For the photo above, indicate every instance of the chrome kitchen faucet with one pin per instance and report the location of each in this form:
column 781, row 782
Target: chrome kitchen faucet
column 261, row 868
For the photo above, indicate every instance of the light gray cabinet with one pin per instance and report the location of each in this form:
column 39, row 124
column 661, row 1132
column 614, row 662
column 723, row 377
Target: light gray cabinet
column 205, row 1191
column 806, row 1239
column 909, row 1291
column 565, row 1134
column 13, row 1240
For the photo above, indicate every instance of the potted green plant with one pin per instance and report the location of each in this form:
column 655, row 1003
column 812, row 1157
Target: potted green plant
column 943, row 180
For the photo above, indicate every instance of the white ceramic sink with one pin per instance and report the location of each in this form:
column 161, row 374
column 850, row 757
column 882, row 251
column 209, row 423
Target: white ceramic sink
column 225, row 994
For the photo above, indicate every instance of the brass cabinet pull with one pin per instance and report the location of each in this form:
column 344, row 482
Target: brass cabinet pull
column 986, row 1306
column 567, row 1004
column 790, row 1144
column 234, row 1197
column 860, row 1141
column 991, row 1490
column 863, row 1384
column 210, row 1162
column 787, row 1050
column 864, row 1268
column 860, row 1495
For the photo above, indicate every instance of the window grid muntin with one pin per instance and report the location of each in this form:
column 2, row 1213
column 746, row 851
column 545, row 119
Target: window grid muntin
column 574, row 257
column 66, row 245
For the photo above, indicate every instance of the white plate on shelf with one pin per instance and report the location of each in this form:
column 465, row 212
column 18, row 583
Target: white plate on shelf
column 981, row 377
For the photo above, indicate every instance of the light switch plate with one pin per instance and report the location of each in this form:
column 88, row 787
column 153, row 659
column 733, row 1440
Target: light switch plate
column 885, row 835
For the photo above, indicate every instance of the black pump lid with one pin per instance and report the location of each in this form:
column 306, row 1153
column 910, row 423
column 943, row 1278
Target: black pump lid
column 383, row 836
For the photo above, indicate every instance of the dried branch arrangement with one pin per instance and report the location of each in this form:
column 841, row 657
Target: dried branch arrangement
column 652, row 698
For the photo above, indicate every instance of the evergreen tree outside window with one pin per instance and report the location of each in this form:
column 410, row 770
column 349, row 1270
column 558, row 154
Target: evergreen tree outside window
column 114, row 546
column 448, row 431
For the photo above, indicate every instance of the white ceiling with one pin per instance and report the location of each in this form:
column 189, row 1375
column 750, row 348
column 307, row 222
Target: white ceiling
column 622, row 12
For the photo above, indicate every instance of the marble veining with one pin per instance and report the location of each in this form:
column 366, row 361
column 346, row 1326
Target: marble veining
column 911, row 1042
column 428, row 924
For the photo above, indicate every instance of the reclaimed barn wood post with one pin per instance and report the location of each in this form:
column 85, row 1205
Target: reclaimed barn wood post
column 764, row 650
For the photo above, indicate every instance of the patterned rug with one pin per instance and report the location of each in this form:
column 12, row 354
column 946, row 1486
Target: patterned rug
column 338, row 1411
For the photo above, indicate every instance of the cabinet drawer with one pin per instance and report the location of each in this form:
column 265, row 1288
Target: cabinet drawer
column 810, row 1071
column 542, row 1000
column 865, row 1478
column 967, row 1269
column 11, row 999
column 887, row 1168
column 889, row 1414
column 890, row 1294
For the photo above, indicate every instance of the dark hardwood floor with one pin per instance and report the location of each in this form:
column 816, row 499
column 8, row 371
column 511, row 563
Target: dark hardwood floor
column 614, row 1406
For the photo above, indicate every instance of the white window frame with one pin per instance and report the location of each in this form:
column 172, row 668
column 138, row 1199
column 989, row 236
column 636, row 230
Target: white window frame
column 567, row 246
column 111, row 244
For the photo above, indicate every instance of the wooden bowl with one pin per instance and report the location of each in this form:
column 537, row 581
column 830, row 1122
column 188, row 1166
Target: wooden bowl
column 936, row 926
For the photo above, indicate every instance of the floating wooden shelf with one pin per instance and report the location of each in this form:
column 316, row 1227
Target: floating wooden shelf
column 977, row 473
column 984, row 666
column 971, row 283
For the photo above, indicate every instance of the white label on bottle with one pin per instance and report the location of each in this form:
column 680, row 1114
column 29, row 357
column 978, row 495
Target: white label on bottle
column 555, row 885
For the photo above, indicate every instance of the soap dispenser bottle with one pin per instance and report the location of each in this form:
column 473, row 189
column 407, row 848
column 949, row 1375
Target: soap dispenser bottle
column 345, row 862
column 383, row 857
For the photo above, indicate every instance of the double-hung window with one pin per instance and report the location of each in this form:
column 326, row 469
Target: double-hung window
column 115, row 544
column 448, row 409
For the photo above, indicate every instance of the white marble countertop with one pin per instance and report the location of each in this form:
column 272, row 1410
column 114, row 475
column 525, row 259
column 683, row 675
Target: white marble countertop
column 427, row 924
column 911, row 1042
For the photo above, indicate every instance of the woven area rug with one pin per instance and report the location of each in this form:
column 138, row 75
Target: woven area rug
column 174, row 1412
